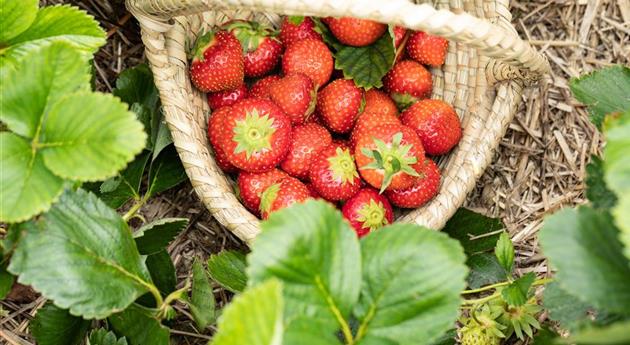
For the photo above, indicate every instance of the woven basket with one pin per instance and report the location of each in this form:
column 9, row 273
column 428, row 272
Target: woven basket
column 486, row 69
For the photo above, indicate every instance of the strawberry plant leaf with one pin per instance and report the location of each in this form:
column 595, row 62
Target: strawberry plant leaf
column 6, row 281
column 304, row 331
column 367, row 65
column 447, row 338
column 82, row 241
column 313, row 251
column 404, row 260
column 253, row 318
column 117, row 190
column 517, row 292
column 583, row 245
column 476, row 232
column 162, row 272
column 166, row 171
column 604, row 91
column 97, row 147
column 140, row 326
column 564, row 308
column 597, row 192
column 545, row 336
column 155, row 236
column 228, row 269
column 615, row 334
column 15, row 17
column 504, row 251
column 45, row 76
column 484, row 270
column 103, row 337
column 27, row 187
column 55, row 326
column 202, row 304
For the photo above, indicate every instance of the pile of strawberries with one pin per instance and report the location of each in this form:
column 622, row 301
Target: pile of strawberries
column 300, row 130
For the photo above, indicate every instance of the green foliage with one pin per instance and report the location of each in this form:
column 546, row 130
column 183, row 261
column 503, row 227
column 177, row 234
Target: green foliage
column 597, row 192
column 516, row 293
column 166, row 171
column 103, row 337
column 615, row 334
column 55, row 326
column 202, row 305
column 140, row 326
column 162, row 271
column 228, row 269
column 15, row 17
column 476, row 232
column 565, row 308
column 6, row 281
column 484, row 270
column 155, row 236
column 504, row 251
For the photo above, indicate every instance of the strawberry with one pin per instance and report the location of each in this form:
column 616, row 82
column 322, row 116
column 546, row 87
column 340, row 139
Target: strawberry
column 425, row 188
column 282, row 194
column 220, row 99
column 389, row 156
column 379, row 103
column 296, row 95
column 399, row 35
column 408, row 82
column 295, row 29
column 251, row 186
column 436, row 123
column 216, row 129
column 356, row 32
column 261, row 50
column 427, row 49
column 369, row 119
column 308, row 141
column 334, row 174
column 260, row 89
column 217, row 63
column 367, row 211
column 258, row 135
column 310, row 57
column 312, row 191
column 339, row 104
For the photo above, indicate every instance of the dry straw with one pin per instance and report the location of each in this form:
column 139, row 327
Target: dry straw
column 485, row 72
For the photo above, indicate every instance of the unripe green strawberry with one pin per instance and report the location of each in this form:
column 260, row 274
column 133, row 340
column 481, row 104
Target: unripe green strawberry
column 217, row 63
column 407, row 82
column 356, row 32
column 477, row 336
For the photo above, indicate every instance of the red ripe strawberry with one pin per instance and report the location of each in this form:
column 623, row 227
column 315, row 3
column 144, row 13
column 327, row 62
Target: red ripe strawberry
column 310, row 57
column 262, row 50
column 408, row 82
column 217, row 64
column 339, row 104
column 425, row 188
column 379, row 103
column 308, row 141
column 282, row 194
column 296, row 95
column 260, row 89
column 436, row 123
column 399, row 35
column 427, row 49
column 220, row 99
column 333, row 173
column 371, row 119
column 315, row 118
column 367, row 211
column 313, row 192
column 216, row 131
column 258, row 135
column 389, row 156
column 251, row 186
column 356, row 32
column 295, row 29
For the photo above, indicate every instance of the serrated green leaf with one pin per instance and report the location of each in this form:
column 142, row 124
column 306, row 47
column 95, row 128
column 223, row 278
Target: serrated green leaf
column 6, row 281
column 583, row 245
column 367, row 65
column 517, row 293
column 228, row 269
column 485, row 269
column 565, row 308
column 55, row 326
column 305, row 331
column 140, row 326
column 466, row 225
column 597, row 192
column 166, row 171
column 89, row 247
column 63, row 23
column 253, row 318
column 604, row 91
column 126, row 185
column 155, row 236
column 105, row 139
column 27, row 187
column 447, row 338
column 15, row 17
column 504, row 251
column 615, row 334
column 202, row 303
column 412, row 279
column 45, row 75
column 103, row 337
column 313, row 251
column 162, row 270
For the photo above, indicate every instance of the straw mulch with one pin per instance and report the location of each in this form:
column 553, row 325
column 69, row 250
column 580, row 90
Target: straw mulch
column 539, row 167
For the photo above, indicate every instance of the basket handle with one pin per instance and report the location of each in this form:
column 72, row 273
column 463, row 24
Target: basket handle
column 521, row 59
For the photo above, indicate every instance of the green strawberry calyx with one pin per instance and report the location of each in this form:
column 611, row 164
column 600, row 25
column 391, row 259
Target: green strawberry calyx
column 391, row 158
column 202, row 43
column 404, row 100
column 250, row 34
column 372, row 215
column 268, row 196
column 253, row 133
column 342, row 166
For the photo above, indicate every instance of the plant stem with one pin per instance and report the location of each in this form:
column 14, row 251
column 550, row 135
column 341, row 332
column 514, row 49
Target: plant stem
column 132, row 211
column 156, row 294
column 496, row 294
column 345, row 328
column 485, row 288
column 173, row 296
